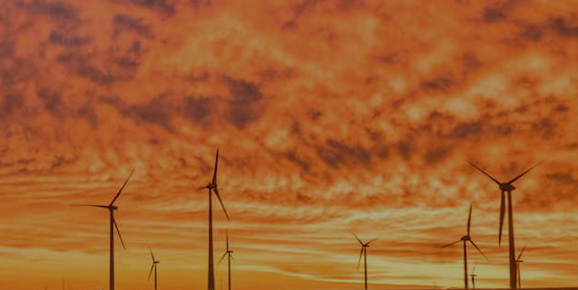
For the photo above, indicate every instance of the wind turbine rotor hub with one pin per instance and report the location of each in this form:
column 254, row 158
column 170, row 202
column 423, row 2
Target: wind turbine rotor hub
column 112, row 207
column 507, row 187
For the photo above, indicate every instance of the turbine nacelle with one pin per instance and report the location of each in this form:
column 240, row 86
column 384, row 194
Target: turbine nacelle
column 209, row 186
column 507, row 186
column 466, row 238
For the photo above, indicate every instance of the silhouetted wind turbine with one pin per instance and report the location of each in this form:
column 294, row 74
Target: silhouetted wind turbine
column 473, row 275
column 363, row 253
column 153, row 267
column 229, row 254
column 519, row 261
column 212, row 186
column 111, row 208
column 466, row 239
column 507, row 187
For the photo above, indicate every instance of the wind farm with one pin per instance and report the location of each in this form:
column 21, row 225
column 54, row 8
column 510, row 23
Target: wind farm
column 212, row 188
column 473, row 275
column 218, row 145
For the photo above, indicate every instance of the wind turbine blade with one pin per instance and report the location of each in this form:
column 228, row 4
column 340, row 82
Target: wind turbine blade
column 502, row 214
column 91, row 205
column 216, row 166
column 471, row 241
column 202, row 188
column 232, row 258
column 357, row 238
column 371, row 242
column 151, row 271
column 469, row 219
column 521, row 253
column 118, row 232
column 524, row 173
column 360, row 255
column 474, row 281
column 445, row 246
column 223, row 257
column 485, row 173
column 152, row 255
column 227, row 233
column 120, row 190
column 221, row 202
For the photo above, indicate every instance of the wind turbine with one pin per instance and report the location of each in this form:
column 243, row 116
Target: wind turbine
column 229, row 255
column 111, row 208
column 519, row 261
column 154, row 266
column 473, row 276
column 363, row 253
column 507, row 187
column 212, row 186
column 466, row 239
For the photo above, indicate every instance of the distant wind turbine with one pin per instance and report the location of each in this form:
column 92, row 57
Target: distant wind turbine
column 212, row 186
column 507, row 187
column 473, row 276
column 111, row 208
column 153, row 267
column 466, row 239
column 519, row 261
column 229, row 254
column 363, row 253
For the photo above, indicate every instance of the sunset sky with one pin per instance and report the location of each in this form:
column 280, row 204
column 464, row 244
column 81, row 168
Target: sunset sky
column 331, row 116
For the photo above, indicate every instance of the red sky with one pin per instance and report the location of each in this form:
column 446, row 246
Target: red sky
column 331, row 116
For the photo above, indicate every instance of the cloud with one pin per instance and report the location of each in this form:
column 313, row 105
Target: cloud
column 330, row 116
column 51, row 99
column 244, row 103
column 563, row 27
column 198, row 108
column 11, row 103
column 58, row 38
column 124, row 22
column 163, row 6
column 336, row 153
column 59, row 12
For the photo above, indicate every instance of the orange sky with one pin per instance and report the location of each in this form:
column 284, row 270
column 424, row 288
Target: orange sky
column 331, row 116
